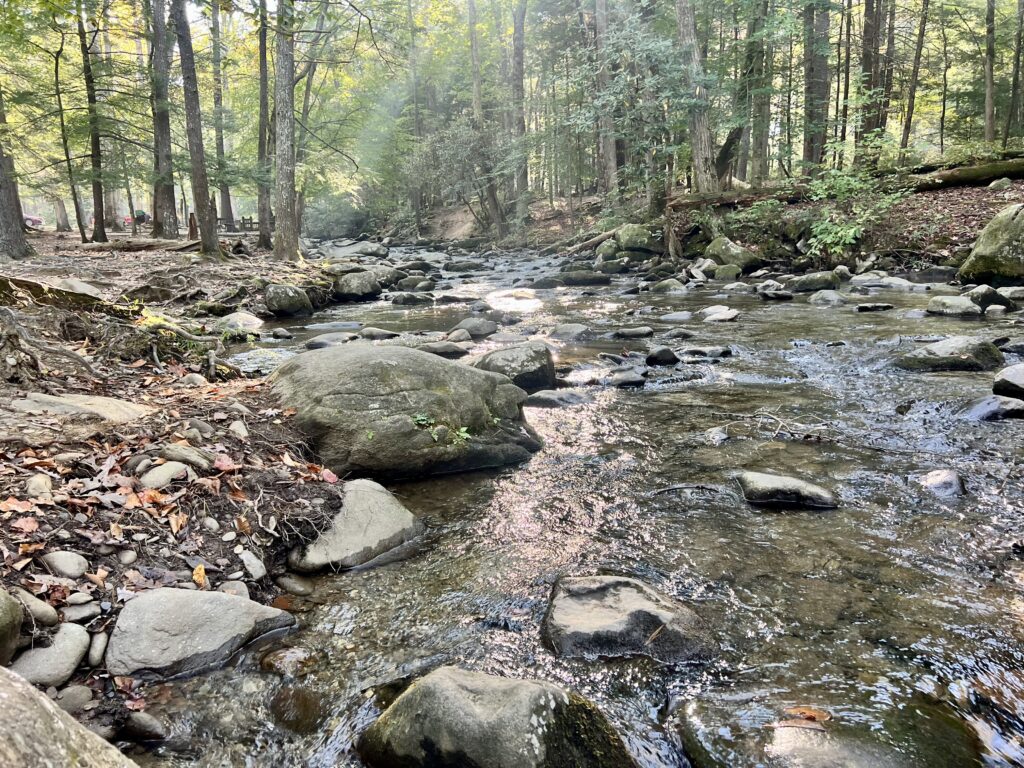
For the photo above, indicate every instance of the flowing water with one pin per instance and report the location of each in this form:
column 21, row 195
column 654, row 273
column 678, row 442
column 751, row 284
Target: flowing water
column 900, row 613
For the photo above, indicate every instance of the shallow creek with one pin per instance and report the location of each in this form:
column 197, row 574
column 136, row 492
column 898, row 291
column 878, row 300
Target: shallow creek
column 900, row 613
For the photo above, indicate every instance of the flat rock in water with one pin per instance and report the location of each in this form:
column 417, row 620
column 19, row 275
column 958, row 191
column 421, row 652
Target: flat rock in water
column 676, row 317
column 333, row 339
column 477, row 327
column 993, row 408
column 662, row 356
column 371, row 522
column 953, row 306
column 446, row 349
column 827, row 298
column 569, row 332
column 815, row 281
column 943, row 482
column 453, row 717
column 783, row 491
column 957, row 353
column 54, row 664
column 168, row 632
column 584, row 277
column 617, row 616
column 557, row 398
column 378, row 334
column 640, row 332
column 1009, row 382
column 38, row 734
column 391, row 411
column 627, row 380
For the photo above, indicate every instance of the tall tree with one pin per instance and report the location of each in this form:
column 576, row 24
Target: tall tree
column 86, row 41
column 263, row 210
column 286, row 235
column 605, row 121
column 990, row 65
column 486, row 175
column 226, row 213
column 165, row 216
column 915, row 70
column 816, row 82
column 701, row 142
column 209, row 243
column 13, row 243
column 519, row 108
column 1013, row 113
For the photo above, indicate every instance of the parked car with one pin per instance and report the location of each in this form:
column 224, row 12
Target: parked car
column 31, row 220
column 141, row 217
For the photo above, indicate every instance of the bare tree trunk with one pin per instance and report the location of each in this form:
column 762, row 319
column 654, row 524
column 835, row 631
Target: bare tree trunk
column 13, row 243
column 60, row 214
column 890, row 67
column 286, row 235
column 761, row 101
column 165, row 215
column 816, row 83
column 701, row 143
column 945, row 82
column 65, row 143
column 1013, row 114
column 207, row 222
column 489, row 196
column 519, row 107
column 990, row 63
column 99, row 233
column 415, row 191
column 218, row 116
column 915, row 71
column 845, row 117
column 263, row 211
column 868, row 83
column 605, row 123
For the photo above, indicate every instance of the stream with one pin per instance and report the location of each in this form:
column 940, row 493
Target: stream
column 900, row 613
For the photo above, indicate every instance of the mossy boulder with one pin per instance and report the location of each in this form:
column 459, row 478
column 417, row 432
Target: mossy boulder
column 608, row 249
column 998, row 255
column 637, row 237
column 722, row 250
column 453, row 717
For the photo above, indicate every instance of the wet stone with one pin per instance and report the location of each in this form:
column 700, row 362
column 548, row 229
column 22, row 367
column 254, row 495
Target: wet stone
column 783, row 491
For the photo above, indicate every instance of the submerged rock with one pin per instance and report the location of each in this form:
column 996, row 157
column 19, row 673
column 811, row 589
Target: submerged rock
column 530, row 366
column 827, row 298
column 170, row 632
column 957, row 353
column 457, row 718
column 37, row 734
column 784, row 491
column 400, row 412
column 619, row 616
column 371, row 522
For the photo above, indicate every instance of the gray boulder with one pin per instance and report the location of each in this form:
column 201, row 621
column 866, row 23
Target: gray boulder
column 569, row 332
column 87, row 406
column 998, row 254
column 238, row 325
column 557, row 398
column 400, row 412
column 371, row 522
column 332, row 339
column 11, row 617
column 957, row 353
column 1010, row 382
column 357, row 286
column 985, row 296
column 169, row 632
column 953, row 306
column 637, row 237
column 618, row 616
column 722, row 250
column 457, row 718
column 54, row 664
column 827, row 298
column 815, row 281
column 287, row 300
column 993, row 408
column 943, row 482
column 530, row 366
column 477, row 327
column 671, row 285
column 38, row 734
column 583, row 278
column 784, row 491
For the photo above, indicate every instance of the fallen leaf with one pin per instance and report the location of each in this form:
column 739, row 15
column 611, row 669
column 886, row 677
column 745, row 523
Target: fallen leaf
column 243, row 525
column 327, row 476
column 177, row 521
column 809, row 713
column 289, row 461
column 199, row 576
column 15, row 505
column 225, row 463
column 26, row 525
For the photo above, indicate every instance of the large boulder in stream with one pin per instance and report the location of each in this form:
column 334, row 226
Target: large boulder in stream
column 617, row 616
column 722, row 250
column 764, row 489
column 637, row 237
column 357, row 286
column 998, row 254
column 530, row 366
column 957, row 353
column 397, row 412
column 460, row 719
column 287, row 300
column 36, row 733
column 169, row 632
column 371, row 522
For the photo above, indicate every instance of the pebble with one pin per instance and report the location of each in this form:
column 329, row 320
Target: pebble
column 211, row 524
column 80, row 614
column 41, row 612
column 54, row 664
column 127, row 556
column 238, row 429
column 97, row 648
column 165, row 474
column 70, row 565
column 79, row 598
column 39, row 486
column 253, row 564
column 229, row 536
column 295, row 585
column 74, row 698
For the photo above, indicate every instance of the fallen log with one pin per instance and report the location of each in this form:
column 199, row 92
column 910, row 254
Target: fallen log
column 17, row 290
column 967, row 175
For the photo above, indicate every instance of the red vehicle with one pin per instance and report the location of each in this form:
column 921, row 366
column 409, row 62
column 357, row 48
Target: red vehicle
column 31, row 220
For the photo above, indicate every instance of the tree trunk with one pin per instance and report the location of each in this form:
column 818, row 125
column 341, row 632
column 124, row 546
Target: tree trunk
column 489, row 196
column 60, row 214
column 701, row 144
column 218, row 117
column 945, row 82
column 990, row 63
column 519, row 107
column 761, row 101
column 915, row 71
column 206, row 220
column 844, row 118
column 890, row 67
column 605, row 123
column 65, row 143
column 1013, row 114
column 13, row 243
column 165, row 215
column 263, row 210
column 816, row 83
column 286, row 235
column 99, row 233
